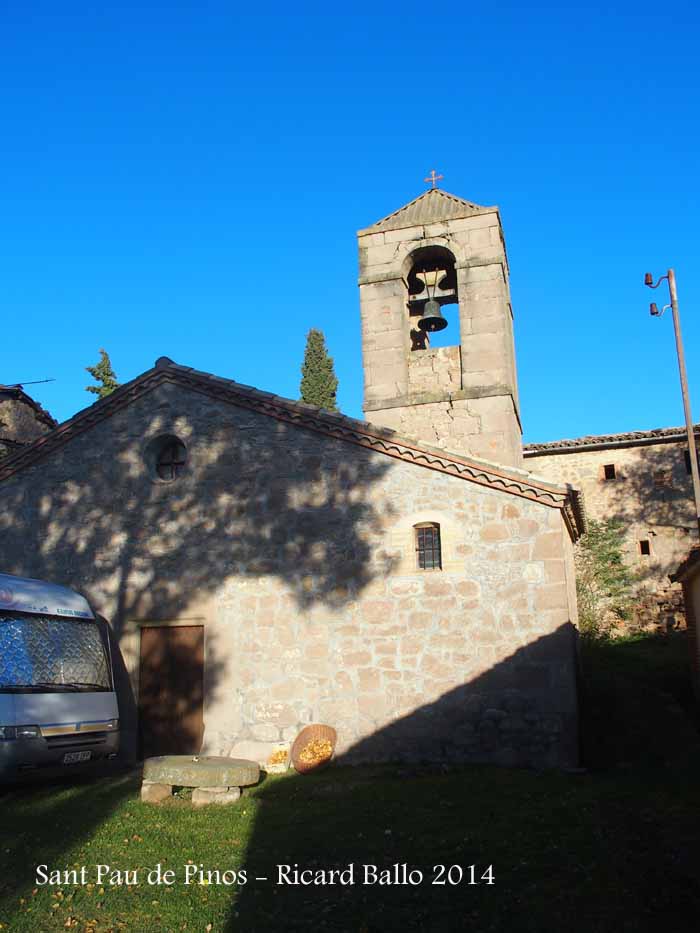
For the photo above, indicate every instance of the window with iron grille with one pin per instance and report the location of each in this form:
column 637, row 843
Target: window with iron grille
column 171, row 458
column 428, row 546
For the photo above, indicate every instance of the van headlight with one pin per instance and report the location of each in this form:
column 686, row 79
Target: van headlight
column 19, row 732
column 113, row 725
column 28, row 732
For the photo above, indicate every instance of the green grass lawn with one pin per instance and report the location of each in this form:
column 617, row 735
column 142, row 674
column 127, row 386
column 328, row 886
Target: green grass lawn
column 613, row 849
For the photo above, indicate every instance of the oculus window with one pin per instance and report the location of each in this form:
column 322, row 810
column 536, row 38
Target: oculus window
column 167, row 458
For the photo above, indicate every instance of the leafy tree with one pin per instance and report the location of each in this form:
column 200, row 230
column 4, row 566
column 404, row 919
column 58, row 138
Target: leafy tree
column 604, row 583
column 104, row 374
column 318, row 380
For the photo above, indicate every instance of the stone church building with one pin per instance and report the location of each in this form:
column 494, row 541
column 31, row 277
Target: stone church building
column 264, row 564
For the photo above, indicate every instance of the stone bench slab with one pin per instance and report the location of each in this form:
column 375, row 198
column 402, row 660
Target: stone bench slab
column 200, row 771
column 202, row 796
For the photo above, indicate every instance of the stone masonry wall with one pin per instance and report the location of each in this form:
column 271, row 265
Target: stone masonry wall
column 296, row 552
column 19, row 423
column 437, row 368
column 651, row 496
column 468, row 424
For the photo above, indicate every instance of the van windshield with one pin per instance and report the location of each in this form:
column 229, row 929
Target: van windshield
column 43, row 653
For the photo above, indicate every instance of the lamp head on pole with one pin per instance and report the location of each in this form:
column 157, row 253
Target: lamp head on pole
column 648, row 279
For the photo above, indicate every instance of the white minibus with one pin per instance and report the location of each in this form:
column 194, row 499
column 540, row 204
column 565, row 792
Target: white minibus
column 58, row 708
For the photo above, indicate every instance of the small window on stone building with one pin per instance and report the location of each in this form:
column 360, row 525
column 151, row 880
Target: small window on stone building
column 686, row 457
column 170, row 458
column 609, row 471
column 428, row 546
column 663, row 478
column 645, row 548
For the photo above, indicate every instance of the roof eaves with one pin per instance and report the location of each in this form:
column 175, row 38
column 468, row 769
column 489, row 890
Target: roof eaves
column 601, row 441
column 510, row 479
column 333, row 424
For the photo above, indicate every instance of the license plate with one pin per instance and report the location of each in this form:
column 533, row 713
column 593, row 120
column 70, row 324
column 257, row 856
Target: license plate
column 71, row 758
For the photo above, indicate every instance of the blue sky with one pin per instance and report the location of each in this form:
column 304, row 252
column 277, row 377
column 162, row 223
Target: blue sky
column 187, row 179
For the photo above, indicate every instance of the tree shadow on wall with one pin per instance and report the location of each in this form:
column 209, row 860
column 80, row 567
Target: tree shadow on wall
column 557, row 842
column 257, row 500
column 173, row 685
column 656, row 494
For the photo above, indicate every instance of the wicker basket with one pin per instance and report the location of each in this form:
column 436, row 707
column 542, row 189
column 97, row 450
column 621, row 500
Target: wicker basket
column 312, row 733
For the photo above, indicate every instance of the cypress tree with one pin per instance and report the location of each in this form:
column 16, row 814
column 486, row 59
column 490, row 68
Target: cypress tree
column 318, row 380
column 102, row 372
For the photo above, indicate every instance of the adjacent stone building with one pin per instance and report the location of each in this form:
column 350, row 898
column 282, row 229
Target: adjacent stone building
column 265, row 564
column 687, row 575
column 22, row 419
column 642, row 480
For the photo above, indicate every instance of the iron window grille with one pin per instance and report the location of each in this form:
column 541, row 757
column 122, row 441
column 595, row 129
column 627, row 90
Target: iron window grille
column 171, row 460
column 428, row 551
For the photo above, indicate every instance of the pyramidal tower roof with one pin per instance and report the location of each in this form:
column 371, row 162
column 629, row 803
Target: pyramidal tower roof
column 431, row 206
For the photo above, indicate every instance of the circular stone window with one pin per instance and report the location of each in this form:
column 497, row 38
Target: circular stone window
column 166, row 456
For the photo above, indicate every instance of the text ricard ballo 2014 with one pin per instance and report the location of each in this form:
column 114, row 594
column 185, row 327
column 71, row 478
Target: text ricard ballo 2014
column 398, row 874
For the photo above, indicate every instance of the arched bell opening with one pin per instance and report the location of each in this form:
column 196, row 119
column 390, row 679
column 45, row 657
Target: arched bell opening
column 431, row 285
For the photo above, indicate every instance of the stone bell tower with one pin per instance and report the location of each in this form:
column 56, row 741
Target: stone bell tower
column 440, row 251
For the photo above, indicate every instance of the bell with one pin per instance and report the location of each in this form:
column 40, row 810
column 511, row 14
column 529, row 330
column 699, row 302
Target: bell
column 432, row 319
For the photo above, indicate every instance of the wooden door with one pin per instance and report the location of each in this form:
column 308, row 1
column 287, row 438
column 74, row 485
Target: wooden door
column 171, row 690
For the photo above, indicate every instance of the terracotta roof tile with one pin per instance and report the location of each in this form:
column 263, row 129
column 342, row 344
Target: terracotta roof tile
column 333, row 424
column 603, row 440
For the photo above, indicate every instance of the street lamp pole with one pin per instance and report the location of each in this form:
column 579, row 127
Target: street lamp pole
column 670, row 276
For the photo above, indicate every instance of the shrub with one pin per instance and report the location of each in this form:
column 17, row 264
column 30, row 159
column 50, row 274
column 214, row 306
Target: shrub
column 604, row 583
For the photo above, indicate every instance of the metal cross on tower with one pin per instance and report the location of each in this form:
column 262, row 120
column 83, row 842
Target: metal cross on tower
column 434, row 178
